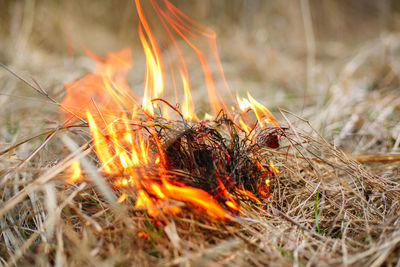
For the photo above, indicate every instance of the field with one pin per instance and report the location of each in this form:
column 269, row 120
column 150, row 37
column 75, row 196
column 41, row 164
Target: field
column 329, row 71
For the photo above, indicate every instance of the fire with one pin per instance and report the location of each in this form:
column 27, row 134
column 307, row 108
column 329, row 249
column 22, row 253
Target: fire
column 264, row 116
column 273, row 168
column 208, row 117
column 121, row 198
column 76, row 173
column 125, row 133
column 187, row 106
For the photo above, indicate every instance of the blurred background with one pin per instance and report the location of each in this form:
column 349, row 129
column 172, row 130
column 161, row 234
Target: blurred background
column 333, row 62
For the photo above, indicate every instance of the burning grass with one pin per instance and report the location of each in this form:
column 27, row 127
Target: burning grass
column 119, row 183
column 325, row 208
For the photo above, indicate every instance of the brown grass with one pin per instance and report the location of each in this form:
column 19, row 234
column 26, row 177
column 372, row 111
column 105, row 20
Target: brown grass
column 335, row 202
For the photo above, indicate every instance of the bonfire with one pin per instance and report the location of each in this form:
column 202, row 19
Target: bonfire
column 158, row 178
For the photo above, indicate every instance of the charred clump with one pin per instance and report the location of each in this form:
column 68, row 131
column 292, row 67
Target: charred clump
column 217, row 156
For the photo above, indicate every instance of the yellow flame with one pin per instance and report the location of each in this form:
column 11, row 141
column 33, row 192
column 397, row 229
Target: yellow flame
column 264, row 116
column 122, row 198
column 208, row 117
column 273, row 168
column 75, row 169
column 188, row 110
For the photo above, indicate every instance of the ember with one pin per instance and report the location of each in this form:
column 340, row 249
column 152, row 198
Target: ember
column 162, row 154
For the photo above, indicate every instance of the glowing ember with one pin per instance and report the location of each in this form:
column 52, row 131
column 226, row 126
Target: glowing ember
column 130, row 141
column 273, row 168
column 121, row 198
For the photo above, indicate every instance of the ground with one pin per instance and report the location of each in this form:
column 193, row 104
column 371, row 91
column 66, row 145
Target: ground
column 328, row 71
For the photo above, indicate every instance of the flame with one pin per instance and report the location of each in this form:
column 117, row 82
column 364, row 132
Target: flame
column 273, row 168
column 187, row 105
column 123, row 131
column 144, row 201
column 76, row 173
column 230, row 202
column 249, row 195
column 198, row 198
column 208, row 117
column 264, row 116
column 122, row 198
column 106, row 86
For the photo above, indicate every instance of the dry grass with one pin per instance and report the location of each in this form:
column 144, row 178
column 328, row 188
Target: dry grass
column 335, row 202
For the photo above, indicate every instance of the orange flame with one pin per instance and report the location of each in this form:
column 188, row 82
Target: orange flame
column 116, row 121
column 264, row 116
